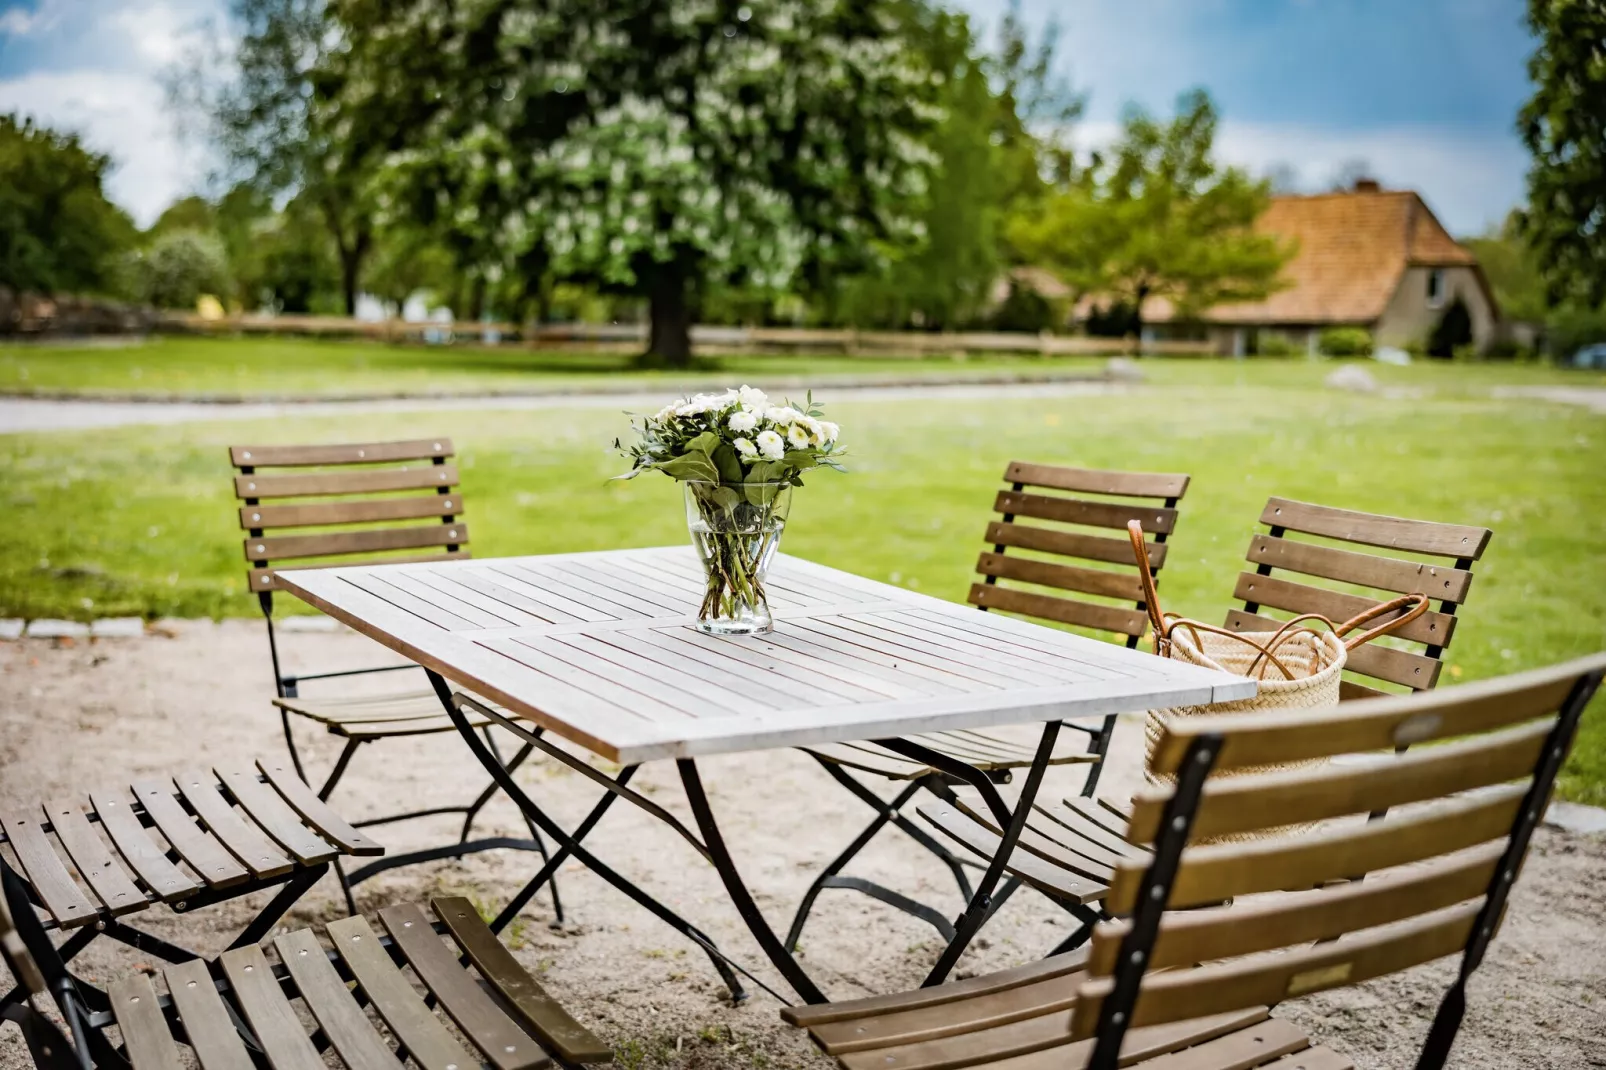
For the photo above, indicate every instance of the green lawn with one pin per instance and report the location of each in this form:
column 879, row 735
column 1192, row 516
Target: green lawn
column 141, row 520
column 297, row 367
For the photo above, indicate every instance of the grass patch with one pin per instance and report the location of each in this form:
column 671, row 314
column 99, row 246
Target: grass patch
column 141, row 520
column 297, row 367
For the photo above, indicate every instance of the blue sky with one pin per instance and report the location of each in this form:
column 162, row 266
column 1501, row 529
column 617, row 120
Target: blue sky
column 1424, row 91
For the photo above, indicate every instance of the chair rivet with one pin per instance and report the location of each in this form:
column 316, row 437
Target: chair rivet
column 250, row 486
column 362, row 453
column 1137, row 957
column 303, row 951
column 438, row 446
column 1118, row 1017
column 448, row 503
column 407, row 925
column 133, row 999
column 509, row 1048
column 1178, row 822
column 246, row 455
column 181, row 904
column 256, row 516
column 451, row 534
column 1157, row 892
column 260, row 548
column 190, row 985
column 248, row 969
column 354, row 939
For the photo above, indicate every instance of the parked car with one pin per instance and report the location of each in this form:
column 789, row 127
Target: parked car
column 1590, row 356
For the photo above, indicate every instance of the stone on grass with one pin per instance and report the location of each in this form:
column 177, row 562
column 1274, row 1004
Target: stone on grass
column 118, row 628
column 46, row 628
column 11, row 627
column 1575, row 817
column 309, row 624
column 1122, row 370
column 1355, row 380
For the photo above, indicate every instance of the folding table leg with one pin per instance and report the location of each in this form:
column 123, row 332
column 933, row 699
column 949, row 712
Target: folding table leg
column 1012, row 822
column 722, row 963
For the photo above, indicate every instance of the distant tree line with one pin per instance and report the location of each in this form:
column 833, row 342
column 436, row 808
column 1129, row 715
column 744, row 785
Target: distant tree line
column 875, row 164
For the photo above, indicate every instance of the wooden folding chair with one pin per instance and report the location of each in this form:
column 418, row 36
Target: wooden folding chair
column 192, row 840
column 240, row 1012
column 315, row 506
column 1087, row 836
column 1306, row 912
column 1052, row 575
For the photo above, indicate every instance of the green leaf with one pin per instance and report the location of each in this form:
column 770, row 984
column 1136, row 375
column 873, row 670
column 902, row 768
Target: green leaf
column 690, row 466
column 728, row 462
column 767, row 472
column 802, row 459
column 706, row 443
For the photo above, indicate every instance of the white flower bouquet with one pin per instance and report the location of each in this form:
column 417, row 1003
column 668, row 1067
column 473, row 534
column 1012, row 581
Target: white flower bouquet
column 738, row 457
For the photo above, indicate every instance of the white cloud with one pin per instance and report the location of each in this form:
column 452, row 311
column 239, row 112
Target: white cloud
column 123, row 115
column 1469, row 181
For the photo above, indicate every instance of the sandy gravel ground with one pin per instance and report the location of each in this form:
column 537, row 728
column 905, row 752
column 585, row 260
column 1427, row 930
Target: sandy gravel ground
column 74, row 716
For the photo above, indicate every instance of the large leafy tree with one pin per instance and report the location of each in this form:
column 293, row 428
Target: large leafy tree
column 1158, row 217
column 644, row 147
column 58, row 232
column 999, row 146
column 1564, row 126
column 263, row 111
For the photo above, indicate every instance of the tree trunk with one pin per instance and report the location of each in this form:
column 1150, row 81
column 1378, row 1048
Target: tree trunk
column 1137, row 321
column 670, row 310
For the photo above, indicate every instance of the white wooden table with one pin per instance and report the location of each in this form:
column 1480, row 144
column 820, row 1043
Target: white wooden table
column 600, row 649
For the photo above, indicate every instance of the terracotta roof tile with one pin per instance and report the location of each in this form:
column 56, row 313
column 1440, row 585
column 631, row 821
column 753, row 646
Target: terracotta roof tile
column 1353, row 248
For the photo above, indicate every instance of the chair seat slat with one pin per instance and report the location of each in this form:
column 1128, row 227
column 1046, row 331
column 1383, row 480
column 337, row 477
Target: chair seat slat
column 94, row 862
column 268, row 1012
column 139, row 1017
column 393, row 996
column 1093, row 481
column 245, row 841
column 207, row 1025
column 205, row 855
column 62, row 897
column 1416, row 671
column 269, row 810
column 350, row 1033
column 558, row 1028
column 484, row 1023
column 1432, row 628
column 304, row 801
column 148, row 861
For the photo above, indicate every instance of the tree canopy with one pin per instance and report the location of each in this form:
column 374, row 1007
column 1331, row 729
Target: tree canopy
column 58, row 232
column 1158, row 217
column 1564, row 127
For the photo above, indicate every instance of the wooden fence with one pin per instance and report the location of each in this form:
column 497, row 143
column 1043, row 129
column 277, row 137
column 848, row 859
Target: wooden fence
column 708, row 339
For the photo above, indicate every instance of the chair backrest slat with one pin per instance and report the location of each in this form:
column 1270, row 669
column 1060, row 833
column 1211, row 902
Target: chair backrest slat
column 1209, row 934
column 1296, row 911
column 1120, row 497
column 1272, row 800
column 358, row 527
column 1298, row 560
column 1370, row 529
column 423, row 449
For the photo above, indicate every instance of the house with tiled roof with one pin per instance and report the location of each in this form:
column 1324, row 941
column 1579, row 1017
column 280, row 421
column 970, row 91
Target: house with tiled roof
column 1366, row 257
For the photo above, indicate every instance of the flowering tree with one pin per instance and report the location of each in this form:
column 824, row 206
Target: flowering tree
column 648, row 147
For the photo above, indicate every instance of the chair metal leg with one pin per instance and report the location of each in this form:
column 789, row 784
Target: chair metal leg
column 1100, row 745
column 269, row 915
column 339, row 770
column 290, row 744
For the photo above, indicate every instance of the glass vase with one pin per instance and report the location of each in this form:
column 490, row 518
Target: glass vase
column 736, row 529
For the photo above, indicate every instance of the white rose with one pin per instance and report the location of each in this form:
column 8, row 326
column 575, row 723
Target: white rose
column 798, row 436
column 753, row 398
column 829, row 430
column 783, row 415
column 745, row 447
column 771, row 445
column 741, row 421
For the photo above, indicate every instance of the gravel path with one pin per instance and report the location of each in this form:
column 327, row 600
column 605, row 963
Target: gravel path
column 51, row 414
column 1591, row 397
column 76, row 715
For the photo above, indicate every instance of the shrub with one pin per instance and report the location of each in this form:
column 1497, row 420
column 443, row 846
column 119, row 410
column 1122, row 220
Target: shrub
column 1276, row 345
column 1345, row 342
column 1024, row 309
column 182, row 265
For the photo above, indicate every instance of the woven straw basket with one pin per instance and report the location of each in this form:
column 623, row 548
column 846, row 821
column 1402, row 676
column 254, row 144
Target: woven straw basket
column 1297, row 667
